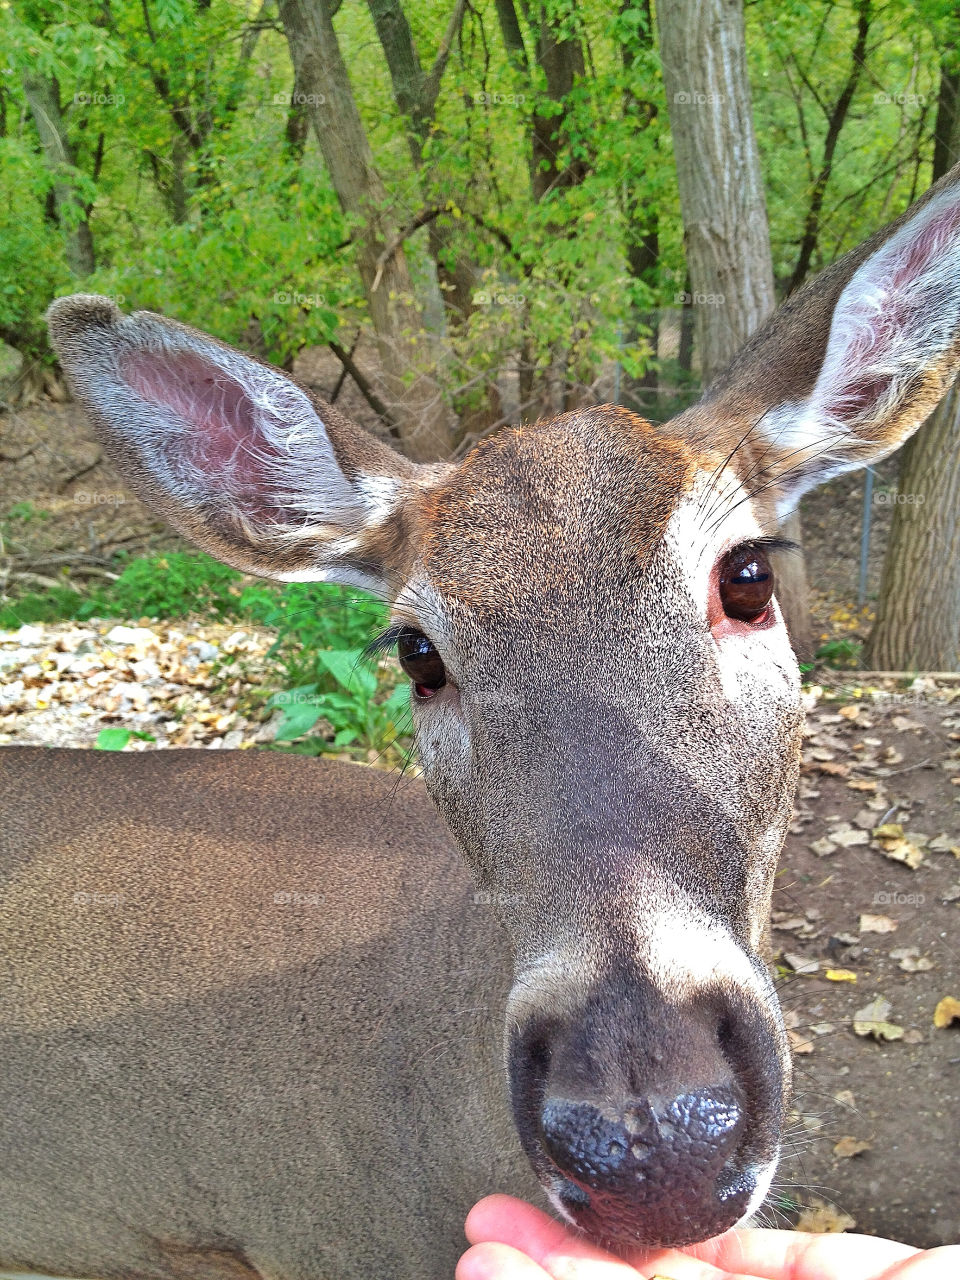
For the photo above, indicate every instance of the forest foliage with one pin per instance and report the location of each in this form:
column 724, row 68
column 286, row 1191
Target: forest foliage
column 158, row 151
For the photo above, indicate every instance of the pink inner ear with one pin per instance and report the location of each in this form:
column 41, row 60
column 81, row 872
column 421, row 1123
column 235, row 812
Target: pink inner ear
column 905, row 301
column 224, row 448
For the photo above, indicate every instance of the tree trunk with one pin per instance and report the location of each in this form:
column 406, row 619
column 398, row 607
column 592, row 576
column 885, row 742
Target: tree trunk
column 835, row 122
column 918, row 617
column 411, row 390
column 561, row 60
column 415, row 94
column 642, row 225
column 554, row 167
column 948, row 116
column 726, row 233
column 512, row 35
column 406, row 73
column 687, row 330
column 43, row 98
column 918, row 613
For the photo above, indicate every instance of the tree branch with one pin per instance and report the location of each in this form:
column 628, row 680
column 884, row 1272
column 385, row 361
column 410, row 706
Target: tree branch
column 421, row 220
column 811, row 231
column 364, row 387
column 431, row 86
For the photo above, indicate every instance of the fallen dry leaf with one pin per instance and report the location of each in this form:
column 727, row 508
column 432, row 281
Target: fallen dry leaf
column 944, row 844
column 846, row 836
column 902, row 723
column 899, row 850
column 872, row 1020
column 832, row 768
column 878, row 924
column 862, row 784
column 911, row 961
column 848, row 1147
column 799, row 1043
column 888, row 831
column 840, row 975
column 824, row 1219
column 946, row 1012
column 801, row 964
column 790, row 924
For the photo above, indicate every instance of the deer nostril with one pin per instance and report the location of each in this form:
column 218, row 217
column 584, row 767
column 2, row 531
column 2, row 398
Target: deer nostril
column 728, row 1041
column 573, row 1197
column 539, row 1055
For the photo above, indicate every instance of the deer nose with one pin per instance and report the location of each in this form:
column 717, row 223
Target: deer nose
column 660, row 1163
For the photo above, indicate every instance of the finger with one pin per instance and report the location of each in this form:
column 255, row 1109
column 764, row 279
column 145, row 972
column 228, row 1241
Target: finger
column 548, row 1242
column 933, row 1264
column 801, row 1255
column 498, row 1262
column 564, row 1256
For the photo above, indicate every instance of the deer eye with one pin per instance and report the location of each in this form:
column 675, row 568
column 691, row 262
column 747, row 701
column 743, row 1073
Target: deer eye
column 746, row 584
column 421, row 662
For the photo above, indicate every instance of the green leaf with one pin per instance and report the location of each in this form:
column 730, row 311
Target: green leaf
column 346, row 669
column 298, row 719
column 290, row 697
column 398, row 702
column 117, row 739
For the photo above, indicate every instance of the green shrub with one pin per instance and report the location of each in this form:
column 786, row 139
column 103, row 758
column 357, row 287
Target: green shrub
column 332, row 698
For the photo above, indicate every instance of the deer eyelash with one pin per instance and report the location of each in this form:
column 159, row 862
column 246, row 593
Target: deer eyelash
column 385, row 641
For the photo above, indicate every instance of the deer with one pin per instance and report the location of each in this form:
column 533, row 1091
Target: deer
column 542, row 969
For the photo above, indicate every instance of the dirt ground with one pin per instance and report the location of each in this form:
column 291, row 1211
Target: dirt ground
column 876, row 1126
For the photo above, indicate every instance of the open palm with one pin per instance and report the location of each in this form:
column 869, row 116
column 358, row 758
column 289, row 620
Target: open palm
column 512, row 1240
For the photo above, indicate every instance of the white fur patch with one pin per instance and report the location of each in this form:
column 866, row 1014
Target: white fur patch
column 684, row 951
column 763, row 1175
column 380, row 495
column 716, row 516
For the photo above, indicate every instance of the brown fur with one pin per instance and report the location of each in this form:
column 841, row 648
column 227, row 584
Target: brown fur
column 204, row 1079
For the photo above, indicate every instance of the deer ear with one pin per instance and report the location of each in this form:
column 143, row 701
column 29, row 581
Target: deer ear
column 854, row 363
column 232, row 453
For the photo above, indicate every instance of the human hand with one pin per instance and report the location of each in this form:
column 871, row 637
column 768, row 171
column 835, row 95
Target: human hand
column 512, row 1240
